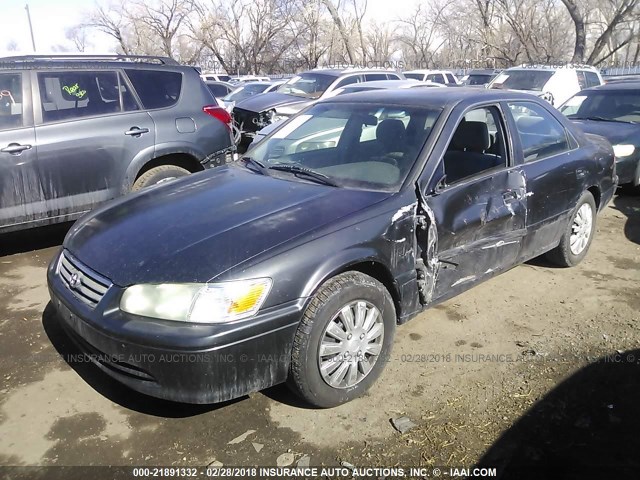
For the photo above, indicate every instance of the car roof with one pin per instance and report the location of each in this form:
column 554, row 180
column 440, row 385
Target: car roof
column 430, row 97
column 552, row 68
column 427, row 71
column 218, row 82
column 482, row 71
column 26, row 62
column 338, row 72
column 258, row 82
column 384, row 84
column 628, row 85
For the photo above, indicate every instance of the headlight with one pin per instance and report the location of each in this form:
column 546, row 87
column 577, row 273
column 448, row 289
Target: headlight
column 197, row 302
column 275, row 116
column 623, row 150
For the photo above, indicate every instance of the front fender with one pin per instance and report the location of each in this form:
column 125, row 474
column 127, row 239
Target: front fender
column 341, row 262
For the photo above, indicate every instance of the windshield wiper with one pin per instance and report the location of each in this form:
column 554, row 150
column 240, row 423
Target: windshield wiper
column 257, row 164
column 298, row 170
column 600, row 119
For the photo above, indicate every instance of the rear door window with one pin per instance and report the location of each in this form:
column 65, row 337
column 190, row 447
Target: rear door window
column 156, row 88
column 10, row 101
column 541, row 135
column 436, row 77
column 348, row 81
column 450, row 78
column 75, row 94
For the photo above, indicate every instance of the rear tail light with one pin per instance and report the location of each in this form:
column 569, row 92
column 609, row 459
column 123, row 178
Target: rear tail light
column 219, row 113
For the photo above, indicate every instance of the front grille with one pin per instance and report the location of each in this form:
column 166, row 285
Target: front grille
column 244, row 120
column 88, row 286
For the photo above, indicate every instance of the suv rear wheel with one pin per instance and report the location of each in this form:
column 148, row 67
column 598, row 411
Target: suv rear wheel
column 343, row 341
column 157, row 175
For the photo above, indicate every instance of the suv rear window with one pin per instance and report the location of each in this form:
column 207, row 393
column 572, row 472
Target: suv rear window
column 156, row 88
column 74, row 94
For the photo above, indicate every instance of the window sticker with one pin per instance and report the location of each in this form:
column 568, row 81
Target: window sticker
column 7, row 94
column 75, row 90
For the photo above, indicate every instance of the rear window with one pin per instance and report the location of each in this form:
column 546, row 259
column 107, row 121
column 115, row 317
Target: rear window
column 74, row 94
column 156, row 89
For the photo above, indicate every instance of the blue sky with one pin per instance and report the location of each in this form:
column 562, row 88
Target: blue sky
column 51, row 19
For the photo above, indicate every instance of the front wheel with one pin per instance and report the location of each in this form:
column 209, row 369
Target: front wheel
column 343, row 340
column 577, row 238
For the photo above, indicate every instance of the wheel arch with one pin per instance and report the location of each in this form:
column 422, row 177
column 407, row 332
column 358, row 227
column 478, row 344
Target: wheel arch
column 595, row 191
column 364, row 262
column 143, row 164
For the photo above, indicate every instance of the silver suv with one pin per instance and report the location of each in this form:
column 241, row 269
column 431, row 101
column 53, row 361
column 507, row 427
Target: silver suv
column 76, row 131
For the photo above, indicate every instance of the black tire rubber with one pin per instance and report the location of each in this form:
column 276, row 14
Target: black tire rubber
column 304, row 374
column 157, row 174
column 562, row 255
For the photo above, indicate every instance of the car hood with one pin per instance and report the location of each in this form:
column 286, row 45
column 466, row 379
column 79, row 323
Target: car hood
column 615, row 132
column 196, row 228
column 266, row 101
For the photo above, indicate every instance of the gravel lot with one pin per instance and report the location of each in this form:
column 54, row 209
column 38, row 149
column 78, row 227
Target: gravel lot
column 539, row 367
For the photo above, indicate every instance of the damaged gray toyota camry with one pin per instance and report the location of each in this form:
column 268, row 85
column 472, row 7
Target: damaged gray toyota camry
column 296, row 264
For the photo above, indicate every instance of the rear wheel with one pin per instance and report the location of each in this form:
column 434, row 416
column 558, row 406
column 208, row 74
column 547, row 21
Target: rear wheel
column 343, row 340
column 157, row 175
column 577, row 238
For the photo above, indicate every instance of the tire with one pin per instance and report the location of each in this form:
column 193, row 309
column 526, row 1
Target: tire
column 157, row 175
column 566, row 256
column 365, row 358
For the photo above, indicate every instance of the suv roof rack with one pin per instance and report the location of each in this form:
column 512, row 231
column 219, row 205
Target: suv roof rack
column 103, row 58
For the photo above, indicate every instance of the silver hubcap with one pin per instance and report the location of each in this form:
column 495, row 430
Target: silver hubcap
column 351, row 344
column 581, row 229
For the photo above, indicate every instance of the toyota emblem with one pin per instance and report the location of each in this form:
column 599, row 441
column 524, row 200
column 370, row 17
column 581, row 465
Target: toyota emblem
column 74, row 281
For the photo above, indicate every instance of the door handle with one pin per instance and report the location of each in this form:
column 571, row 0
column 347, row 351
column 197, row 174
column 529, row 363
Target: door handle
column 136, row 131
column 510, row 195
column 15, row 148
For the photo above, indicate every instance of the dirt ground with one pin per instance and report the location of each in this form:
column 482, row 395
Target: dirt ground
column 535, row 372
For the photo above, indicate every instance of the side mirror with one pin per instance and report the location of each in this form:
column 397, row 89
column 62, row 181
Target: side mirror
column 441, row 185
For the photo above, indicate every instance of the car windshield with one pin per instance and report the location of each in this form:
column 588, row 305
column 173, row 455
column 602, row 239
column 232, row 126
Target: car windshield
column 245, row 91
column 522, row 79
column 311, row 85
column 352, row 145
column 616, row 106
column 414, row 76
column 477, row 79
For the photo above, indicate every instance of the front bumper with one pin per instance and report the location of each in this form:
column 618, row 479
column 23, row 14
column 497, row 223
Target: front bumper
column 174, row 361
column 628, row 169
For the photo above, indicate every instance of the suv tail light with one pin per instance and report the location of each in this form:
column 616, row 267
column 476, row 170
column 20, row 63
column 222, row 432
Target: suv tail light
column 219, row 113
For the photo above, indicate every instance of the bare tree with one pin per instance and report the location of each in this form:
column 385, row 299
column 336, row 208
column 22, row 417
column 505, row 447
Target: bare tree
column 78, row 36
column 579, row 23
column 335, row 15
